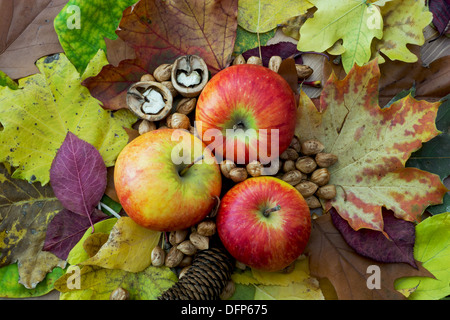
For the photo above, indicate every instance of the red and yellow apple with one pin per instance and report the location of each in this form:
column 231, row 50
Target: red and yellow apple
column 264, row 223
column 167, row 180
column 246, row 112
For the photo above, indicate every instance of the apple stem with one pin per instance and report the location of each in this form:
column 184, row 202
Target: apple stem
column 185, row 169
column 267, row 212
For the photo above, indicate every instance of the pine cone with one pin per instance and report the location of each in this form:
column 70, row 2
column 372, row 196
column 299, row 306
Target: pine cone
column 205, row 279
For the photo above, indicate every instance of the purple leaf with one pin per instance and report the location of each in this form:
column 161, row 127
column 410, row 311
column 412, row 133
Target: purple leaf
column 78, row 175
column 441, row 15
column 374, row 244
column 66, row 229
column 284, row 49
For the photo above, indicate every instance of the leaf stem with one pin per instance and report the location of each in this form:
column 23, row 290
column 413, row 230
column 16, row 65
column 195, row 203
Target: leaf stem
column 115, row 214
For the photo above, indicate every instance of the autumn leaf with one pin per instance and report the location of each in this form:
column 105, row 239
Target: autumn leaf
column 97, row 283
column 264, row 15
column 66, row 229
column 357, row 23
column 330, row 257
column 25, row 211
column 83, row 26
column 27, row 34
column 128, row 247
column 161, row 31
column 374, row 245
column 37, row 117
column 404, row 22
column 441, row 15
column 432, row 248
column 10, row 287
column 78, row 176
column 246, row 40
column 372, row 145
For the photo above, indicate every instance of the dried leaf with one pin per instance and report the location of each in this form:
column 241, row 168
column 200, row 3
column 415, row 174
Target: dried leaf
column 161, row 31
column 128, row 247
column 372, row 145
column 330, row 257
column 404, row 22
column 78, row 175
column 25, row 211
column 441, row 15
column 66, row 229
column 306, row 290
column 11, row 288
column 27, row 34
column 374, row 245
column 97, row 283
column 37, row 117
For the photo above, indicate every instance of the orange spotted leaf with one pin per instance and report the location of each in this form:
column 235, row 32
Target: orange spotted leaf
column 372, row 145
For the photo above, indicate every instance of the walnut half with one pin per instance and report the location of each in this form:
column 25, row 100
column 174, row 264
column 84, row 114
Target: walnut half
column 189, row 75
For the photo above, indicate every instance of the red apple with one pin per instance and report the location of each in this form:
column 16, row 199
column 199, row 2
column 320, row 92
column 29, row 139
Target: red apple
column 264, row 223
column 250, row 111
column 162, row 188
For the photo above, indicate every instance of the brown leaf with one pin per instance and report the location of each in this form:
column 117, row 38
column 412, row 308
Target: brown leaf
column 331, row 257
column 27, row 34
column 161, row 31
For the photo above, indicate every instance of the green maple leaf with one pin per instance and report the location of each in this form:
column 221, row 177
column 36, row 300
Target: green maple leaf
column 37, row 117
column 355, row 22
column 82, row 27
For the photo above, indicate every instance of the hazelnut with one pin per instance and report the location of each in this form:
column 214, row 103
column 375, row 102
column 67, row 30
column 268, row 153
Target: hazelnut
column 313, row 202
column 158, row 256
column 306, row 188
column 146, row 126
column 206, row 228
column 320, row 176
column 177, row 236
column 163, row 72
column 306, row 164
column 168, row 84
column 228, row 291
column 254, row 60
column 173, row 257
column 183, row 271
column 303, row 71
column 238, row 174
column 325, row 160
column 295, row 144
column 186, row 105
column 254, row 168
column 327, row 192
column 310, row 147
column 293, row 177
column 187, row 247
column 239, row 60
column 185, row 262
column 199, row 241
column 119, row 294
column 289, row 154
column 274, row 63
column 178, row 121
column 226, row 166
column 148, row 77
column 288, row 165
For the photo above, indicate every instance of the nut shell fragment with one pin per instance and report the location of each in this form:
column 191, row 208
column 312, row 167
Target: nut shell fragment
column 139, row 96
column 189, row 75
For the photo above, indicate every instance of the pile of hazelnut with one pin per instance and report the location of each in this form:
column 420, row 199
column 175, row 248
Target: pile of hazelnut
column 166, row 98
column 179, row 249
column 303, row 165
